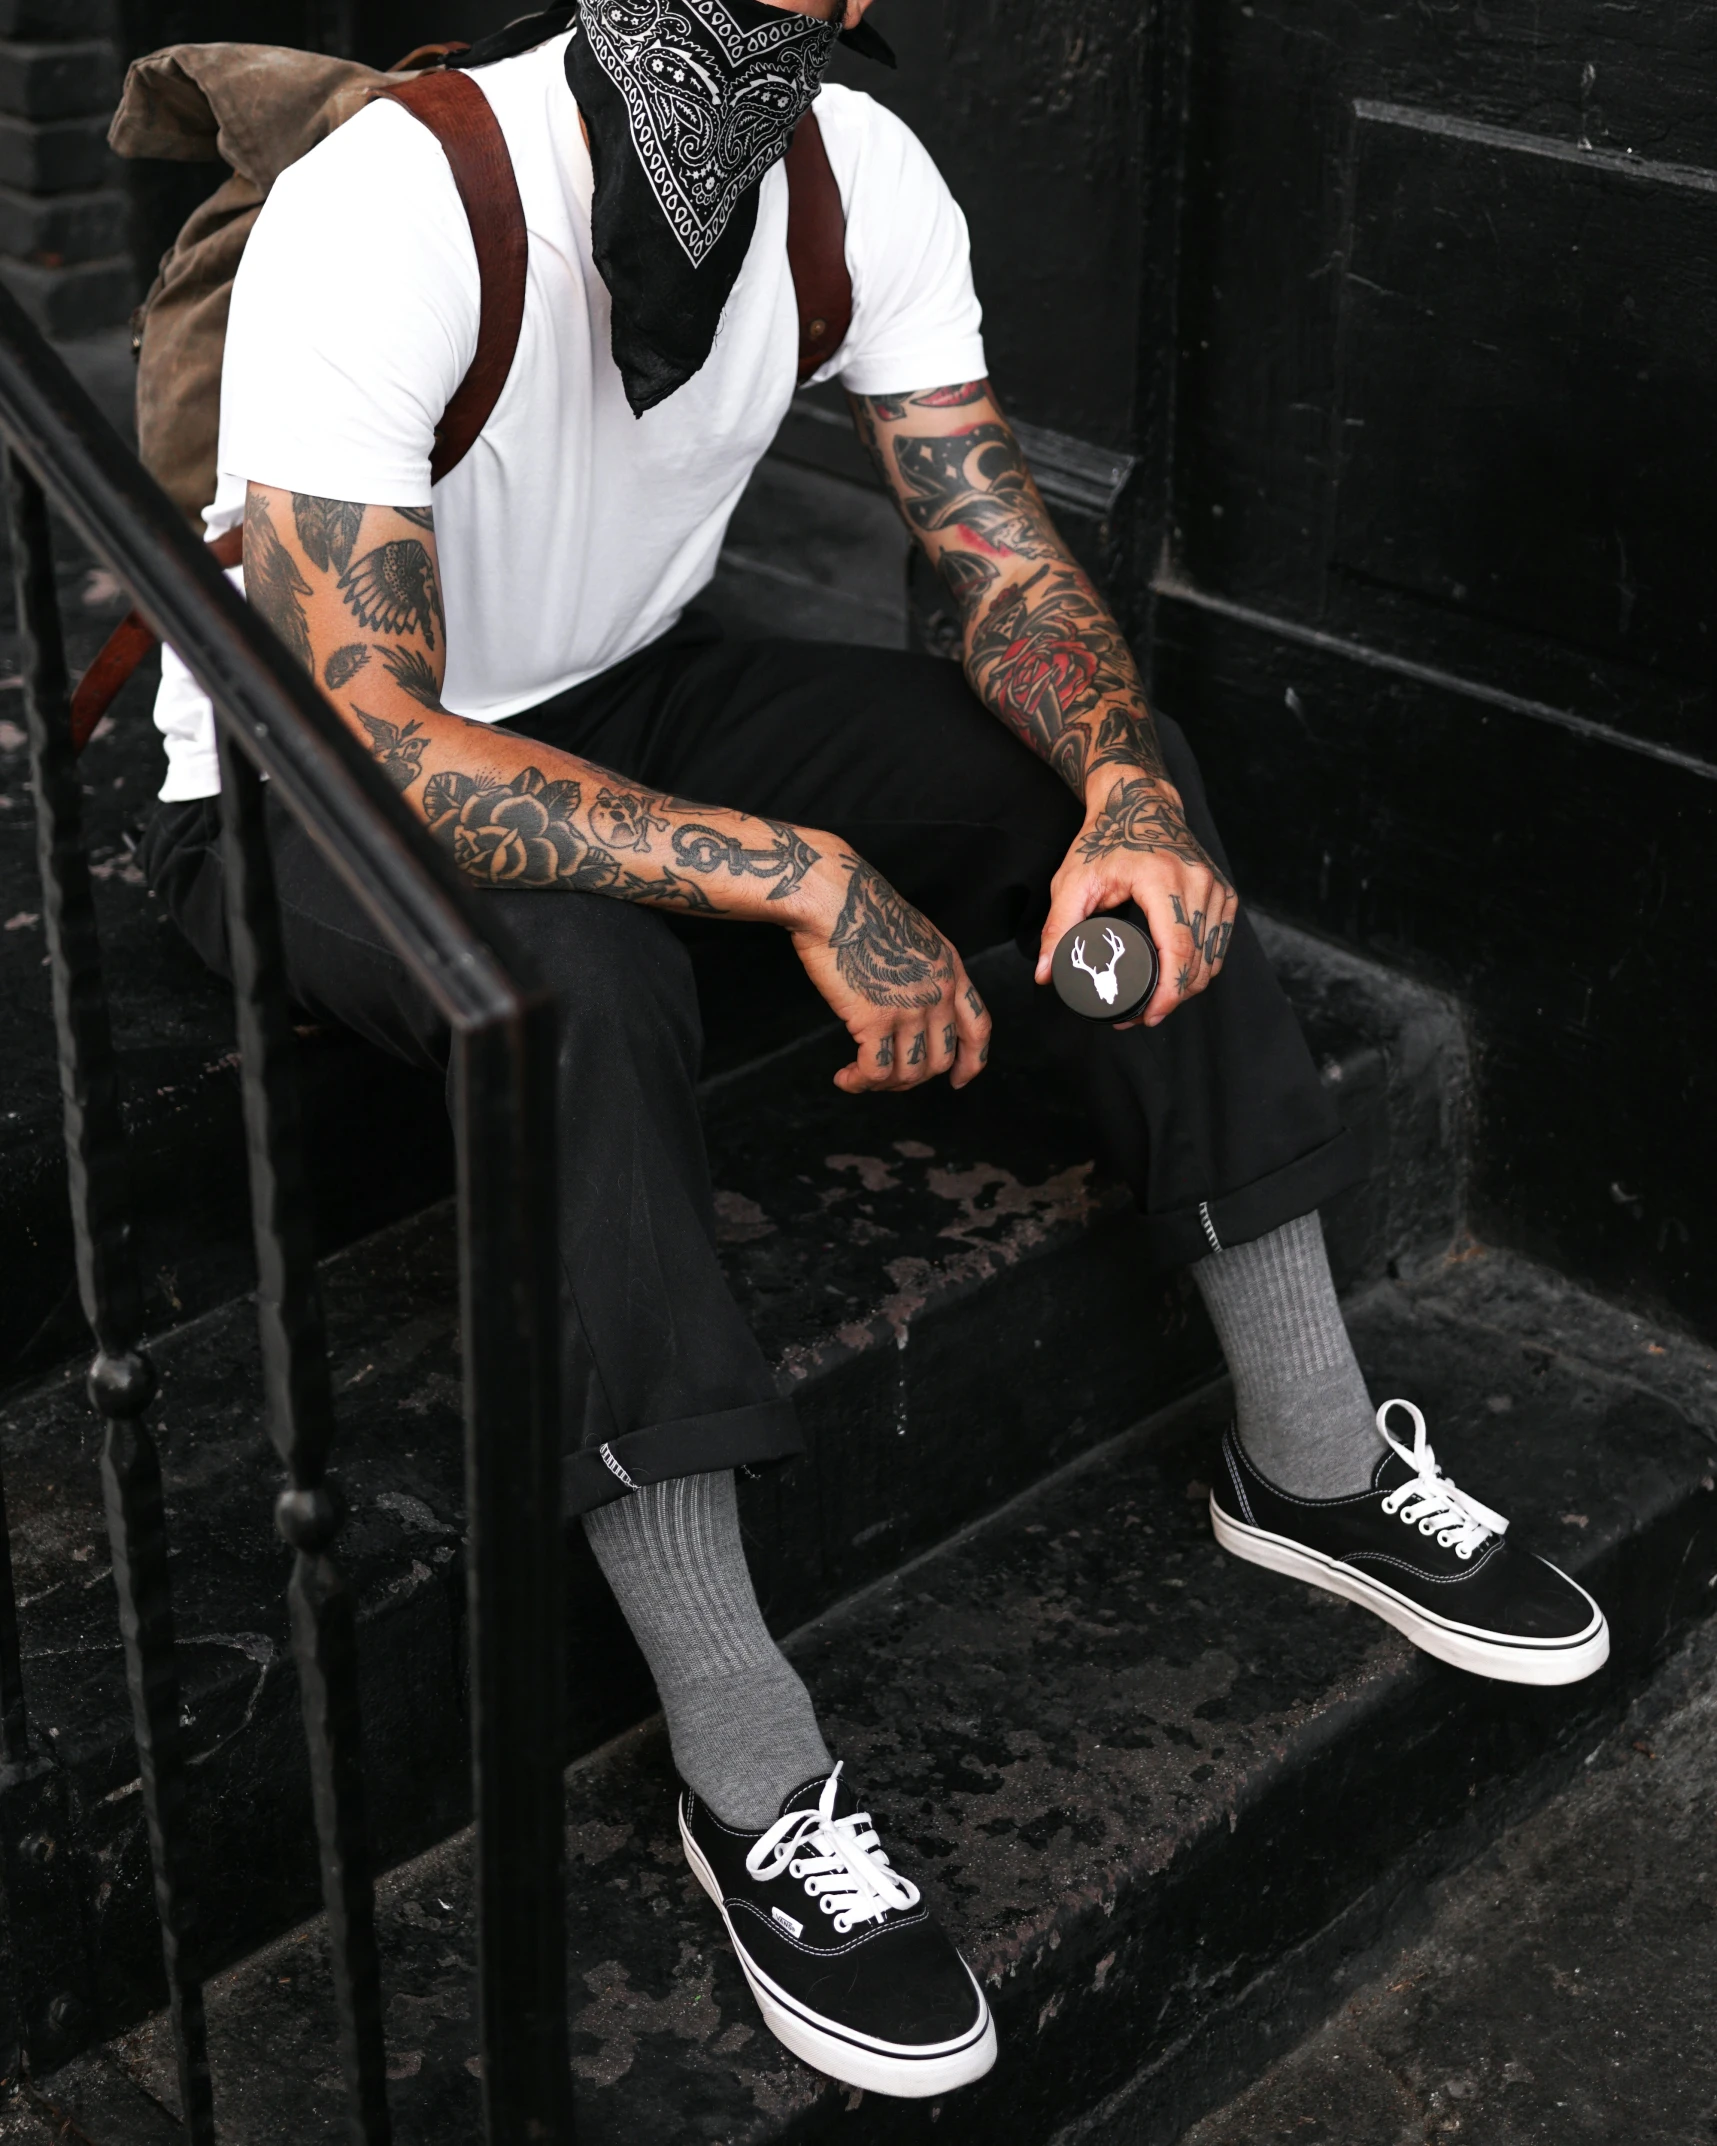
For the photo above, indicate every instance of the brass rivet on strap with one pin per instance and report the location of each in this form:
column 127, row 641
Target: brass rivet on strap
column 818, row 327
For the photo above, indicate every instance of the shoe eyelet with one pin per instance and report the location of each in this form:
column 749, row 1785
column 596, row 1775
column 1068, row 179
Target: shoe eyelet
column 1464, row 1552
column 1427, row 1527
column 827, row 1905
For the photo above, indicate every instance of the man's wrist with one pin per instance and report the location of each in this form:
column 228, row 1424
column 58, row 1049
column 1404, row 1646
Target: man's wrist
column 815, row 902
column 1100, row 781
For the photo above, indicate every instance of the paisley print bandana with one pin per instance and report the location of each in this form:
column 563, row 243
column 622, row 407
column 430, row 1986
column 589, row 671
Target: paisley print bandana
column 713, row 89
column 687, row 104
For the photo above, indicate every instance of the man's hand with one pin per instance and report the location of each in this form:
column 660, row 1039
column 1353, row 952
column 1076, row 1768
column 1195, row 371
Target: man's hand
column 1043, row 652
column 1136, row 846
column 895, row 982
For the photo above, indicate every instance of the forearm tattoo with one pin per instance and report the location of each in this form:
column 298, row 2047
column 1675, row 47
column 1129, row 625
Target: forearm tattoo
column 1041, row 648
column 504, row 827
column 884, row 948
column 523, row 830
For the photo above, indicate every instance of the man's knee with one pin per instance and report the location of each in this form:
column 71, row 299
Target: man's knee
column 608, row 963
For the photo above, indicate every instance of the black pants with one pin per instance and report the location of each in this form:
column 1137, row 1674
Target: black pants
column 1217, row 1118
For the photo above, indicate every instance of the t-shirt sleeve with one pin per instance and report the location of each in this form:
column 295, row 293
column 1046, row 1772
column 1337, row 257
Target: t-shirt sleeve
column 354, row 318
column 916, row 319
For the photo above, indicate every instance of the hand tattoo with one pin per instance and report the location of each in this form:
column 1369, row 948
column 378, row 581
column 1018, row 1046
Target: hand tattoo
column 884, row 949
column 1211, row 941
column 1141, row 818
column 919, row 1051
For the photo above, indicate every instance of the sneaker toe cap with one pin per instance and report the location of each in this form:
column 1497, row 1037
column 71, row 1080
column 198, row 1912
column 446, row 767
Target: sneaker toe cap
column 1544, row 1603
column 907, row 1986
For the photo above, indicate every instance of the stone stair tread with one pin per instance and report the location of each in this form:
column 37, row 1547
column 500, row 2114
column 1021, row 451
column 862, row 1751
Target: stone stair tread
column 1136, row 1775
column 914, row 1265
column 1560, row 1986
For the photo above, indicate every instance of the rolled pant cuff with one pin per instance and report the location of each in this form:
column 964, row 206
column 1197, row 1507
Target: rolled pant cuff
column 761, row 1432
column 1186, row 1234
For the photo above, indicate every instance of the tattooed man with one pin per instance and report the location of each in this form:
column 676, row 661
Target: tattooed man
column 515, row 644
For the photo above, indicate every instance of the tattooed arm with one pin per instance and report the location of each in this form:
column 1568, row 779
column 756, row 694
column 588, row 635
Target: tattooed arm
column 1043, row 653
column 354, row 592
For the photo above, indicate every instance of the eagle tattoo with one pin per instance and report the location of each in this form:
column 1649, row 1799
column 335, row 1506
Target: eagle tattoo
column 393, row 590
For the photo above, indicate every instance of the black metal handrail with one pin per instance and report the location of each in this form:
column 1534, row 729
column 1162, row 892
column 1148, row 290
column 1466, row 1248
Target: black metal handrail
column 271, row 721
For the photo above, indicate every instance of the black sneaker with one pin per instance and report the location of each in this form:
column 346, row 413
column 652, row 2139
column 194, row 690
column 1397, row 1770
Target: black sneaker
column 848, row 1966
column 1426, row 1557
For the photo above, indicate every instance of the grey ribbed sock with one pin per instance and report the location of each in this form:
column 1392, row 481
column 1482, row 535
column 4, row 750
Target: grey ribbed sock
column 739, row 1719
column 1300, row 1402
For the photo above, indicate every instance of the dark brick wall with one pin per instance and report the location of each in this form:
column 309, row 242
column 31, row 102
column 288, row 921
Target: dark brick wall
column 64, row 232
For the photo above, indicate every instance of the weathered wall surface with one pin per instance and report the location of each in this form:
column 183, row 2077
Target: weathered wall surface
column 1437, row 590
column 1035, row 114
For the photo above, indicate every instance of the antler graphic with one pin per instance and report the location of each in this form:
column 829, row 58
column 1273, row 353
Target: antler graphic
column 1108, row 984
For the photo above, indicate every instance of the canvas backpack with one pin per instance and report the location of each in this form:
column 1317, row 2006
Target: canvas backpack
column 258, row 109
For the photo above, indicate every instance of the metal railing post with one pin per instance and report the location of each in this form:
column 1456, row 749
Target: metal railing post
column 272, row 721
column 300, row 1404
column 508, row 1295
column 121, row 1379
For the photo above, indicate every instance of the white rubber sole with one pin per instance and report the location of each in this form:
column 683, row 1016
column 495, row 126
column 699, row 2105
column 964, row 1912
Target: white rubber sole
column 1511, row 1661
column 855, row 2059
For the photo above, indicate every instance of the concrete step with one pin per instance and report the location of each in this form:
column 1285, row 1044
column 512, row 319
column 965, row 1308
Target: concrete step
column 1559, row 1985
column 947, row 1283
column 1158, row 1795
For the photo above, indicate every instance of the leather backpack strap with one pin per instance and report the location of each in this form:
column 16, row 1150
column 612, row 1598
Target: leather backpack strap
column 458, row 114
column 816, row 248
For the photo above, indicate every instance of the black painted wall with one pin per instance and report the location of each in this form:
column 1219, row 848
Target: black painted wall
column 1420, row 308
column 1436, row 584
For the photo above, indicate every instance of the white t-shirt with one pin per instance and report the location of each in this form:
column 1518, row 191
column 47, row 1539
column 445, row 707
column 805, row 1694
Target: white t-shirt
column 572, row 533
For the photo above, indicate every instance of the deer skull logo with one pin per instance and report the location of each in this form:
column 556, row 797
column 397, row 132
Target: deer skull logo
column 1108, row 984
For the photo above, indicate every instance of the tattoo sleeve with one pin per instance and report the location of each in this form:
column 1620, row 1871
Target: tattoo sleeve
column 512, row 813
column 1041, row 648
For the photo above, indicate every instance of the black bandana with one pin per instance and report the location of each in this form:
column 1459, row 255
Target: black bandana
column 687, row 103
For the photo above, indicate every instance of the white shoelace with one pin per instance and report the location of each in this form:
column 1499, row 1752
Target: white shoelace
column 1430, row 1501
column 839, row 1860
